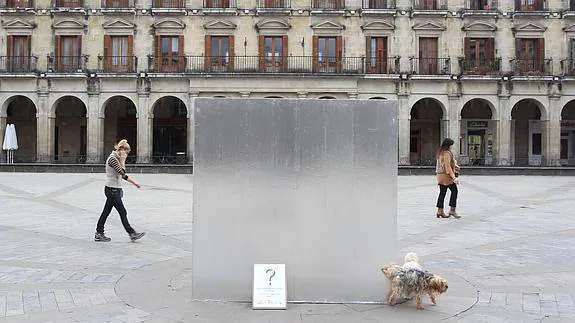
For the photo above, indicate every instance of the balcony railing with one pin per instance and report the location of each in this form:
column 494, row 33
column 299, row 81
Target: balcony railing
column 532, row 67
column 274, row 4
column 18, row 64
column 117, row 4
column 571, row 5
column 117, row 64
column 481, row 5
column 17, row 4
column 328, row 4
column 430, row 4
column 273, row 65
column 480, row 66
column 378, row 4
column 169, row 3
column 530, row 5
column 430, row 66
column 67, row 64
column 219, row 4
column 68, row 3
column 568, row 67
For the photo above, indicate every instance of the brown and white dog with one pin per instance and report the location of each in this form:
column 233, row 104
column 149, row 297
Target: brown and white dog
column 408, row 283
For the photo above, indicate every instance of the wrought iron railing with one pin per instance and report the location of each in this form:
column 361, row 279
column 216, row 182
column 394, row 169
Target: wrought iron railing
column 568, row 66
column 430, row 4
column 17, row 4
column 68, row 3
column 378, row 4
column 530, row 5
column 328, row 4
column 178, row 159
column 274, row 4
column 117, row 64
column 273, row 65
column 169, row 4
column 430, row 66
column 118, row 4
column 221, row 4
column 532, row 66
column 18, row 64
column 480, row 66
column 67, row 64
column 483, row 5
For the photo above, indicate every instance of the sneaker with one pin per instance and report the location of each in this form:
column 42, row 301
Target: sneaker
column 135, row 236
column 101, row 237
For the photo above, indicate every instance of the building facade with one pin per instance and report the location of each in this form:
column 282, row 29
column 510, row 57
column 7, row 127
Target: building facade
column 497, row 77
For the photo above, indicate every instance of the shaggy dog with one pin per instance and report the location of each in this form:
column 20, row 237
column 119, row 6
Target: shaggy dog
column 411, row 261
column 407, row 283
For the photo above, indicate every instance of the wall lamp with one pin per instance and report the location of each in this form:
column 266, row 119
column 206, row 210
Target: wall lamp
column 93, row 75
column 505, row 78
column 143, row 74
column 556, row 78
column 403, row 76
column 300, row 12
column 42, row 75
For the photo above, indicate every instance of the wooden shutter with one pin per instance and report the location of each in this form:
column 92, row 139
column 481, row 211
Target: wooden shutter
column 131, row 62
column 490, row 49
column 208, row 53
column 57, row 53
column 541, row 54
column 158, row 54
column 368, row 54
column 262, row 53
column 231, row 46
column 10, row 49
column 338, row 52
column 467, row 48
column 107, row 52
column 315, row 53
column 285, row 53
column 181, row 56
column 518, row 5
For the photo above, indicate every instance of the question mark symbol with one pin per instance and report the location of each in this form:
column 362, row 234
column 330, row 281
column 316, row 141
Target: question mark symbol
column 273, row 274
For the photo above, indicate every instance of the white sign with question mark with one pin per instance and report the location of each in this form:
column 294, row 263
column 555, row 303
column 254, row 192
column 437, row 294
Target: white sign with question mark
column 269, row 289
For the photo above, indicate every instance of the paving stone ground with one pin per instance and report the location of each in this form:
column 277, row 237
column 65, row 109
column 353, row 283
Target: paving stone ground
column 511, row 258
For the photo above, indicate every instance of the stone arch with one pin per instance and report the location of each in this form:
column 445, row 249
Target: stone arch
column 64, row 97
column 478, row 108
column 426, row 128
column 153, row 105
column 568, row 111
column 527, row 144
column 70, row 130
column 102, row 111
column 531, row 108
column 21, row 111
column 170, row 131
column 567, row 135
column 120, row 122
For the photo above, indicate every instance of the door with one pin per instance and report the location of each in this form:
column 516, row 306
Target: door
column 564, row 154
column 475, row 147
column 428, row 56
column 415, row 147
column 377, row 55
column 19, row 53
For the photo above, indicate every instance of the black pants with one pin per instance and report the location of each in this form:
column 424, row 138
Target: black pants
column 114, row 199
column 443, row 192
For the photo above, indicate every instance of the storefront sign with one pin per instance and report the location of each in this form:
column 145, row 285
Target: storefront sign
column 477, row 124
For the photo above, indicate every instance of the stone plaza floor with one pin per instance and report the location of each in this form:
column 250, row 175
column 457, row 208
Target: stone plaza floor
column 511, row 258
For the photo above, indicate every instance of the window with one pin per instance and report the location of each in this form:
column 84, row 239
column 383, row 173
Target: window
column 68, row 53
column 219, row 53
column 327, row 53
column 118, row 56
column 19, row 53
column 479, row 55
column 169, row 3
column 328, row 4
column 273, row 53
column 217, row 3
column 377, row 55
column 378, row 4
column 19, row 4
column 273, row 3
column 529, row 5
column 69, row 3
column 118, row 4
column 428, row 5
column 170, row 54
column 478, row 5
column 529, row 55
column 428, row 61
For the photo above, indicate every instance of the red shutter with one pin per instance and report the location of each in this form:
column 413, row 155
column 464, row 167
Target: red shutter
column 467, row 48
column 541, row 54
column 315, row 53
column 490, row 49
column 285, row 53
column 182, row 57
column 338, row 52
column 208, row 53
column 231, row 46
column 262, row 52
column 57, row 52
column 107, row 52
column 368, row 54
column 131, row 63
column 158, row 54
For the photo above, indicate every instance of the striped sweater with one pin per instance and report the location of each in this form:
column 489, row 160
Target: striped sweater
column 114, row 171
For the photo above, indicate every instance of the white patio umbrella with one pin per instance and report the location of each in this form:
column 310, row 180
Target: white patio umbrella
column 10, row 143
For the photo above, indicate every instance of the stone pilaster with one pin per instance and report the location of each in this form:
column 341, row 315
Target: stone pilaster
column 145, row 124
column 45, row 128
column 454, row 123
column 504, row 132
column 404, row 129
column 552, row 144
column 95, row 130
column 192, row 97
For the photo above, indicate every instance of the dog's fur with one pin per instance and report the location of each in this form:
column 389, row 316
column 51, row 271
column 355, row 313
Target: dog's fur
column 413, row 282
column 411, row 261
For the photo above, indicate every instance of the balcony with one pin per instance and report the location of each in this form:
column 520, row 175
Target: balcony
column 327, row 5
column 378, row 4
column 527, row 8
column 220, row 7
column 117, row 4
column 429, row 5
column 430, row 66
column 568, row 67
column 532, row 67
column 274, row 6
column 18, row 64
column 276, row 65
column 68, row 4
column 67, row 64
column 17, row 4
column 480, row 8
column 480, row 67
column 117, row 64
column 169, row 4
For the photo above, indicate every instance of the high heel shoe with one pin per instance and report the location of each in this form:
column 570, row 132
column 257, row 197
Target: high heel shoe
column 454, row 214
column 441, row 215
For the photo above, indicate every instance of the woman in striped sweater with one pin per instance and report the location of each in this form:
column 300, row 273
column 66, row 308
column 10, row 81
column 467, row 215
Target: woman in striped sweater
column 115, row 172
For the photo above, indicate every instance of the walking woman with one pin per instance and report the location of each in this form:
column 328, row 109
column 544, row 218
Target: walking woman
column 115, row 172
column 447, row 178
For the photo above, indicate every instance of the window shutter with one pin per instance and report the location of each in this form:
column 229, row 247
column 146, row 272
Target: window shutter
column 10, row 49
column 518, row 48
column 315, row 53
column 107, row 52
column 467, row 48
column 79, row 59
column 57, row 52
column 490, row 50
column 79, row 45
column 368, row 53
column 130, row 59
column 518, row 5
column 231, row 46
column 208, row 53
column 541, row 54
column 158, row 54
column 262, row 52
column 29, row 46
column 181, row 56
column 338, row 52
column 285, row 52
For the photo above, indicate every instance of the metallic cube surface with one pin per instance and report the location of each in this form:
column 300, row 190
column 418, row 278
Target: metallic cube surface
column 307, row 183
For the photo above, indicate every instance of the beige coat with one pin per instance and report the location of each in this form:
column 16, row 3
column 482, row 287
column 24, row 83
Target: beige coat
column 445, row 169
